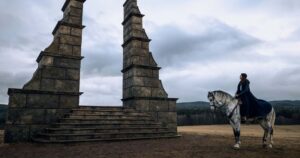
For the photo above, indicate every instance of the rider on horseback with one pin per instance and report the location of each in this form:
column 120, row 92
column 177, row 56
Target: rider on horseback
column 249, row 104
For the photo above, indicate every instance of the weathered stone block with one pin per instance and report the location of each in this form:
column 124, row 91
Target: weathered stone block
column 145, row 45
column 46, row 60
column 76, row 32
column 53, row 115
column 16, row 133
column 64, row 29
column 141, row 105
column 172, row 127
column 75, row 20
column 137, row 20
column 159, row 105
column 42, row 101
column 67, row 85
column 53, row 73
column 135, row 44
column 158, row 92
column 76, row 12
column 47, row 84
column 155, row 73
column 65, row 49
column 76, row 4
column 138, row 52
column 17, row 100
column 69, row 101
column 34, row 83
column 140, row 72
column 136, row 81
column 151, row 60
column 36, row 129
column 72, row 74
column 141, row 91
column 76, row 50
column 154, row 115
column 67, row 63
column 71, row 40
column 172, row 106
column 26, row 116
column 168, row 117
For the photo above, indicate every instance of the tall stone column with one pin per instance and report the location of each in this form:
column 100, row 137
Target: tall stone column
column 54, row 88
column 142, row 88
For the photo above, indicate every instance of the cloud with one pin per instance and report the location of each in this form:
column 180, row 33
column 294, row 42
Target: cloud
column 201, row 45
column 9, row 80
column 216, row 40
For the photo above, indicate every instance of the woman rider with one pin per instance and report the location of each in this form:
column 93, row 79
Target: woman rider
column 249, row 103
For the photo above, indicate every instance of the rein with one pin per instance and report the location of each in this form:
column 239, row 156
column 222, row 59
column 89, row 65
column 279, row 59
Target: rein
column 219, row 107
column 232, row 112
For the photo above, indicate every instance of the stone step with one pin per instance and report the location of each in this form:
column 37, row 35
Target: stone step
column 102, row 130
column 105, row 121
column 86, row 124
column 103, row 112
column 119, row 135
column 40, row 140
column 110, row 108
column 108, row 116
column 106, row 125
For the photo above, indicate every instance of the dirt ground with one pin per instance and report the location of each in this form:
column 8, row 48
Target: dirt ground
column 196, row 142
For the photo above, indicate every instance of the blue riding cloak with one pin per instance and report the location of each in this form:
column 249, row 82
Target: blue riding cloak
column 251, row 106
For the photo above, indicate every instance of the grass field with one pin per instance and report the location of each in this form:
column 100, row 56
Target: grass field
column 196, row 141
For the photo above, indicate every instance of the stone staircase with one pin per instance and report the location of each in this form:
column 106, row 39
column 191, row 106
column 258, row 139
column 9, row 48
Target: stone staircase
column 87, row 124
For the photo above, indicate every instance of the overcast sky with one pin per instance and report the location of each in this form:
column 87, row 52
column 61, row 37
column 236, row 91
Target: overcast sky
column 201, row 45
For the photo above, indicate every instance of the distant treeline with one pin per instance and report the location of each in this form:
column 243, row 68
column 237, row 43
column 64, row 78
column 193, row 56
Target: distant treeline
column 199, row 113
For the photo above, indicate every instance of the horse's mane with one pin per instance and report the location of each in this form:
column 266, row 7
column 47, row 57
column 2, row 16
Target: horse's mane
column 223, row 93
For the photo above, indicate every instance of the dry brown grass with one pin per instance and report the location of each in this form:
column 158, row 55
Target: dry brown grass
column 197, row 141
column 246, row 130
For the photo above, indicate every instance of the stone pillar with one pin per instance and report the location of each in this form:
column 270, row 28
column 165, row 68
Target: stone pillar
column 54, row 88
column 142, row 88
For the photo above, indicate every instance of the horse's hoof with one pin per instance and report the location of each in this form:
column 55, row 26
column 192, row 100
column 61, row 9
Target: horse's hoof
column 270, row 146
column 236, row 146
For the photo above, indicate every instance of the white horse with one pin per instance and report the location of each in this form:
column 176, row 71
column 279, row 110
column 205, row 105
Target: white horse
column 219, row 99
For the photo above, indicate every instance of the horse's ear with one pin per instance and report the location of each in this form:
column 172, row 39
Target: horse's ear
column 210, row 93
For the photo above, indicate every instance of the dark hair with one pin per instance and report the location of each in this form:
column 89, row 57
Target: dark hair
column 244, row 75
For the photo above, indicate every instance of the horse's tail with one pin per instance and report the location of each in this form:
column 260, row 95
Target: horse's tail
column 273, row 118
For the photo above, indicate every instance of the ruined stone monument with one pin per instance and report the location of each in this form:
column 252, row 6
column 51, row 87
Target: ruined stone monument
column 47, row 108
column 142, row 88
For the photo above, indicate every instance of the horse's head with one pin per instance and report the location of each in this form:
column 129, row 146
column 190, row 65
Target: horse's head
column 216, row 99
column 212, row 101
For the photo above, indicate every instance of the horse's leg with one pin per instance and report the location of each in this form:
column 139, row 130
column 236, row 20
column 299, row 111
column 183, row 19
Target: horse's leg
column 263, row 124
column 268, row 125
column 236, row 125
column 272, row 125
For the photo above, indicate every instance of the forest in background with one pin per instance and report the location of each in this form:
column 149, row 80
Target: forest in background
column 199, row 113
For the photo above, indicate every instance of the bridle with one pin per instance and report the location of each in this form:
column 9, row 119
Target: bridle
column 214, row 101
column 210, row 94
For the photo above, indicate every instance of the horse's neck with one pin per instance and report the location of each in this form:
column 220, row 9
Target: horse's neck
column 231, row 105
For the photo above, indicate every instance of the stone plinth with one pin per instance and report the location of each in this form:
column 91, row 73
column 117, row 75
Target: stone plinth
column 31, row 111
